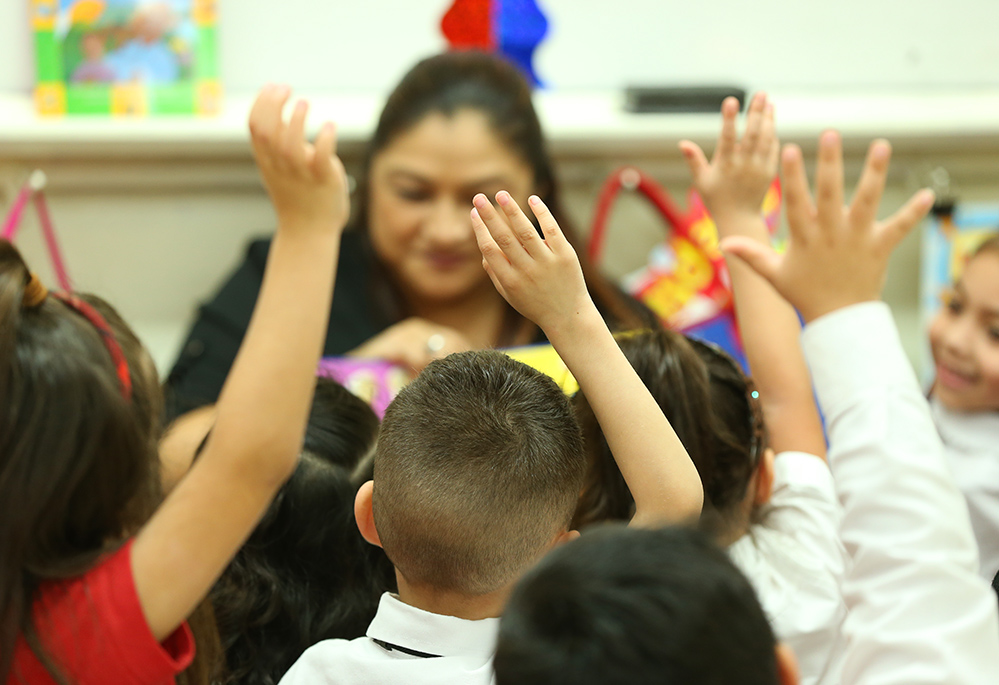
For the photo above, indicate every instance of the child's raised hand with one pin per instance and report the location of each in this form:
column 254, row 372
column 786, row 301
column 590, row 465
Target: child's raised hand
column 306, row 182
column 837, row 255
column 736, row 180
column 540, row 278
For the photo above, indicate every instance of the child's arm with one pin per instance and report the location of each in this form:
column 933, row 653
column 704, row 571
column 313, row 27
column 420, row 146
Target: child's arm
column 919, row 612
column 543, row 281
column 265, row 401
column 733, row 186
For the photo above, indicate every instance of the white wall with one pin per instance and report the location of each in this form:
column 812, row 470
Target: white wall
column 366, row 44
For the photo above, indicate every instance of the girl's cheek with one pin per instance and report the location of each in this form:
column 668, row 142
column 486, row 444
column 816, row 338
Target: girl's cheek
column 990, row 376
column 936, row 332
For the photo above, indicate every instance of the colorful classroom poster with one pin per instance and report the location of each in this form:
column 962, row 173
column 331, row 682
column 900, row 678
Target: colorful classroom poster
column 126, row 57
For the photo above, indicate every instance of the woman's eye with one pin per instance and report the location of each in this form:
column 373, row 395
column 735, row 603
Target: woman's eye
column 993, row 333
column 413, row 194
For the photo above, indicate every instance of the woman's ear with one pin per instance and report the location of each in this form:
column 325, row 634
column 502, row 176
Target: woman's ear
column 364, row 514
column 764, row 478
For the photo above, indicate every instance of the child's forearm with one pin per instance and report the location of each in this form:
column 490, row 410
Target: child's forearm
column 663, row 481
column 256, row 439
column 771, row 337
column 265, row 401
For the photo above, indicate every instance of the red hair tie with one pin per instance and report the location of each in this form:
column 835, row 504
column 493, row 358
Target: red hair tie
column 110, row 342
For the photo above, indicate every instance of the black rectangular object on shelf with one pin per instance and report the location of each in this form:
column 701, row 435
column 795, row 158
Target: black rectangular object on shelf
column 680, row 99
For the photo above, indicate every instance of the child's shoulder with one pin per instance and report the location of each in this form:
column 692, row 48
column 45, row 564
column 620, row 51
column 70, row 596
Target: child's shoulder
column 94, row 624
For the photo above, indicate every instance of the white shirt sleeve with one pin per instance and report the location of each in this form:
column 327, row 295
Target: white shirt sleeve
column 793, row 557
column 918, row 611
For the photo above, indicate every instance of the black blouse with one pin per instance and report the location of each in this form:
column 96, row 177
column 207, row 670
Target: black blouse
column 210, row 349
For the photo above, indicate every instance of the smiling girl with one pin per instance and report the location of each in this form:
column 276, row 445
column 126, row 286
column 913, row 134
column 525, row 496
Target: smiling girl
column 964, row 338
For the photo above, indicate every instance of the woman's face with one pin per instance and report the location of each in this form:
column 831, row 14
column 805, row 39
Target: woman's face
column 421, row 187
column 964, row 338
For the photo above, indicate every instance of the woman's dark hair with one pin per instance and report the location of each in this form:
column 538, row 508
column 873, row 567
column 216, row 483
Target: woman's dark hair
column 453, row 81
column 77, row 459
column 305, row 574
column 705, row 396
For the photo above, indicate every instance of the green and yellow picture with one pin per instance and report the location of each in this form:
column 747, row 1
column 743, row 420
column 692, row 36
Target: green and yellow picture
column 126, row 57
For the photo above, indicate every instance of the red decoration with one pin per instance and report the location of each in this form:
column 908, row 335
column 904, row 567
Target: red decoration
column 468, row 25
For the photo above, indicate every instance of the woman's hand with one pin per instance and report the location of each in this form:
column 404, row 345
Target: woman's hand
column 414, row 343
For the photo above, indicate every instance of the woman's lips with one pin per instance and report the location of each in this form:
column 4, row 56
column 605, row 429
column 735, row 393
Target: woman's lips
column 953, row 380
column 446, row 261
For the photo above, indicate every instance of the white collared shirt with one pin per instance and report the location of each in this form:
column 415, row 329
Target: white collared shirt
column 794, row 559
column 972, row 443
column 919, row 613
column 403, row 645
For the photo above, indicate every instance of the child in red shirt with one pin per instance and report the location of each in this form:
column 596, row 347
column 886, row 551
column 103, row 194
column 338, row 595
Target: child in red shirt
column 95, row 579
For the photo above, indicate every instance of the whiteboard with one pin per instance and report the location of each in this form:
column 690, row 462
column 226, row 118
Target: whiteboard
column 366, row 45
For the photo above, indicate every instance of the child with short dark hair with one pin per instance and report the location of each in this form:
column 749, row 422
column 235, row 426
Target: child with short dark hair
column 918, row 612
column 95, row 580
column 644, row 607
column 479, row 464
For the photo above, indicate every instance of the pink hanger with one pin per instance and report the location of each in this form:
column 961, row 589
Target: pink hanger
column 33, row 190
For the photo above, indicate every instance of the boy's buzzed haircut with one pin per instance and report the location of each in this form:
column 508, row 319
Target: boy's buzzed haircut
column 477, row 469
column 636, row 606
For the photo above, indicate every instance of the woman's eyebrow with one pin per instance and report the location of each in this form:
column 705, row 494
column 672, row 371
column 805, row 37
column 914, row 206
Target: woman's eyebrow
column 407, row 175
column 489, row 182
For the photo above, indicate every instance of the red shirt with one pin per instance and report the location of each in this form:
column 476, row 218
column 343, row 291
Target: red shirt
column 94, row 629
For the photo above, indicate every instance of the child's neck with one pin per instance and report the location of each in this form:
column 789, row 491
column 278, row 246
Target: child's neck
column 445, row 603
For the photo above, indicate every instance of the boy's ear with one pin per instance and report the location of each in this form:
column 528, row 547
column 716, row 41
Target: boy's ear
column 787, row 665
column 764, row 478
column 566, row 536
column 364, row 514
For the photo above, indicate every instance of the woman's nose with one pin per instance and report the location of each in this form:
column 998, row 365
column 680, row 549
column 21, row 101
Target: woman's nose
column 449, row 223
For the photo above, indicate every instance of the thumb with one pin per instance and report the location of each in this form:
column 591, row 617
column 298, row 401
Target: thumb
column 759, row 257
column 696, row 160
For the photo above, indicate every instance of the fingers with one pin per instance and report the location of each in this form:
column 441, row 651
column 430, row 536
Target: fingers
column 871, row 186
column 727, row 139
column 322, row 161
column 800, row 210
column 293, row 146
column 898, row 225
column 696, row 160
column 495, row 257
column 829, row 180
column 554, row 238
column 759, row 257
column 754, row 124
column 769, row 145
column 266, row 123
column 522, row 227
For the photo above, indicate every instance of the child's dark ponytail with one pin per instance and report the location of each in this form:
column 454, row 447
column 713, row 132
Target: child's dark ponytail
column 77, row 473
column 705, row 396
column 675, row 376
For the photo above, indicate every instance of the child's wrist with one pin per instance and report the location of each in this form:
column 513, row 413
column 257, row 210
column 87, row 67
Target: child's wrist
column 575, row 327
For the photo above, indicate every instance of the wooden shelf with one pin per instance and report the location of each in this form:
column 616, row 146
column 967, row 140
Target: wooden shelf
column 575, row 122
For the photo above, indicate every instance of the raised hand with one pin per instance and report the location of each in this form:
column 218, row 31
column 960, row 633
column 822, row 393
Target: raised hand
column 306, row 182
column 539, row 277
column 736, row 180
column 837, row 255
